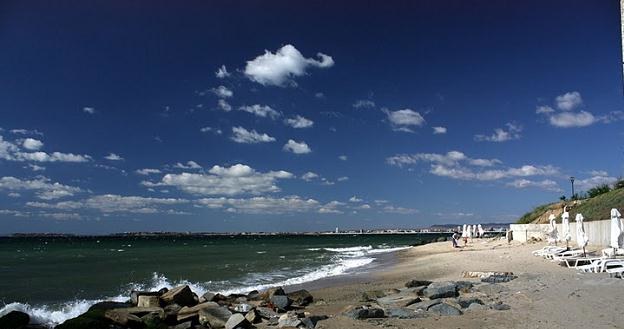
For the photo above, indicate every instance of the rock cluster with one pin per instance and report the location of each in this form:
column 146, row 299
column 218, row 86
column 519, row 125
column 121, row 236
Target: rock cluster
column 180, row 308
column 425, row 298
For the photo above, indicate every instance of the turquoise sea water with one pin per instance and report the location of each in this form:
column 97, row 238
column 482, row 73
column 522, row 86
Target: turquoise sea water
column 57, row 278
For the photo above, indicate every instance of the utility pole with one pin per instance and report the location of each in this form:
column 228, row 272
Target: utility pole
column 572, row 181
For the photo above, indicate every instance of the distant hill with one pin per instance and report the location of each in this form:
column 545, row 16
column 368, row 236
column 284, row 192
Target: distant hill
column 596, row 208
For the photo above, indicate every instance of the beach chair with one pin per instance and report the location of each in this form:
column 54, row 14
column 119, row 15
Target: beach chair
column 546, row 250
column 616, row 272
column 601, row 265
column 568, row 253
column 609, row 252
column 574, row 262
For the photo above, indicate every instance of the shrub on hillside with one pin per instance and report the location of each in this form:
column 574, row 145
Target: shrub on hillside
column 619, row 184
column 598, row 190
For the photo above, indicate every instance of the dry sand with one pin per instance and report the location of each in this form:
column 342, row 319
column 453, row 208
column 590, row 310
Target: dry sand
column 545, row 295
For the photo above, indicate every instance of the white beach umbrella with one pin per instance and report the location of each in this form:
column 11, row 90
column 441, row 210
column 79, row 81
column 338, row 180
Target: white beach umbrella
column 552, row 233
column 581, row 237
column 565, row 224
column 464, row 232
column 474, row 231
column 616, row 228
column 480, row 230
column 470, row 231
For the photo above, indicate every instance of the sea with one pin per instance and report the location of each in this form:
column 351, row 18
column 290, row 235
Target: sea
column 57, row 278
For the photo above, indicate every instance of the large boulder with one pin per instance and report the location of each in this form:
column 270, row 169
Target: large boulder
column 441, row 290
column 444, row 309
column 267, row 294
column 399, row 300
column 134, row 295
column 148, row 301
column 237, row 321
column 424, row 305
column 131, row 316
column 181, row 295
column 266, row 313
column 14, row 320
column 365, row 312
column 289, row 320
column 417, row 283
column 491, row 289
column 94, row 317
column 301, row 297
column 280, row 302
column 214, row 317
column 465, row 302
column 405, row 313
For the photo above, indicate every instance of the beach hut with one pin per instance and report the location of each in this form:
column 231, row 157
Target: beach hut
column 565, row 226
column 581, row 237
column 552, row 231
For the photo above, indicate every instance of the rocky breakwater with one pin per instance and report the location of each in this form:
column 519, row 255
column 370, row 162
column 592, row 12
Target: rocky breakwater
column 419, row 299
column 180, row 308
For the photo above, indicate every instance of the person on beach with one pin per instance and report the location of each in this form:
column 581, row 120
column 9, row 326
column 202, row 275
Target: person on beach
column 455, row 238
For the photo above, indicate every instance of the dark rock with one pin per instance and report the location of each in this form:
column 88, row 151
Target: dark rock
column 398, row 300
column 301, row 297
column 464, row 286
column 444, row 309
column 371, row 295
column 363, row 312
column 417, row 283
column 281, row 302
column 441, row 290
column 208, row 297
column 476, row 307
column 181, row 295
column 184, row 325
column 237, row 320
column 404, row 313
column 94, row 317
column 14, row 320
column 126, row 319
column 171, row 313
column 253, row 295
column 500, row 306
column 311, row 321
column 214, row 317
column 424, row 305
column 498, row 278
column 267, row 294
column 465, row 302
column 153, row 321
column 266, row 313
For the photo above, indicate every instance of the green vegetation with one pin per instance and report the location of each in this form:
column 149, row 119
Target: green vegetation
column 597, row 207
column 598, row 190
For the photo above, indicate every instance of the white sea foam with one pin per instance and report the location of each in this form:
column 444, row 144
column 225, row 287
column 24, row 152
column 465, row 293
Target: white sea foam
column 350, row 249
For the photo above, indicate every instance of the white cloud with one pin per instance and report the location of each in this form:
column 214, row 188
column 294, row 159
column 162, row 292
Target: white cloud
column 222, row 72
column 455, row 164
column 569, row 101
column 34, row 167
column 545, row 184
column 439, row 130
column 113, row 157
column 237, row 179
column 148, row 171
column 89, row 110
column 222, row 92
column 400, row 210
column 261, row 111
column 597, row 178
column 11, row 151
column 570, row 119
column 43, row 187
column 501, row 135
column 363, row 104
column 281, row 67
column 189, row 165
column 343, row 179
column 216, row 131
column 331, row 208
column 262, row 205
column 299, row 122
column 32, row 144
column 111, row 203
column 309, row 176
column 403, row 120
column 319, row 95
column 297, row 147
column 355, row 199
column 343, row 157
column 242, row 135
column 223, row 105
column 26, row 132
column 544, row 109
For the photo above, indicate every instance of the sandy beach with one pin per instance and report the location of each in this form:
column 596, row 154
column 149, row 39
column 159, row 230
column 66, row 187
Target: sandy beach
column 544, row 295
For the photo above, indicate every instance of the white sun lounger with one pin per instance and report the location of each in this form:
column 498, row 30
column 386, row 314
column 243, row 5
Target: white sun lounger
column 568, row 253
column 601, row 265
column 547, row 250
column 616, row 271
column 609, row 252
column 577, row 261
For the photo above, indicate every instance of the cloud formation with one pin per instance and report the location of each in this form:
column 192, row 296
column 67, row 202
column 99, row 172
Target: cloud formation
column 12, row 151
column 404, row 120
column 501, row 135
column 263, row 111
column 299, row 122
column 43, row 187
column 280, row 68
column 244, row 136
column 297, row 147
column 222, row 92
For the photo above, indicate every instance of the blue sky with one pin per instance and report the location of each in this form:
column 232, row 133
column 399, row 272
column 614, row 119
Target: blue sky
column 282, row 116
